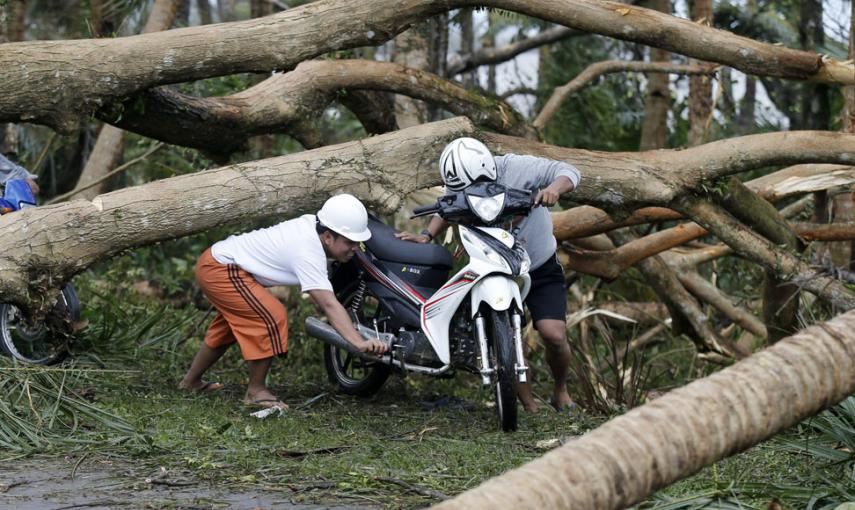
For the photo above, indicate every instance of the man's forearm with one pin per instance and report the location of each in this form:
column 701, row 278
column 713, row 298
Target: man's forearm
column 562, row 184
column 340, row 321
column 337, row 315
column 436, row 226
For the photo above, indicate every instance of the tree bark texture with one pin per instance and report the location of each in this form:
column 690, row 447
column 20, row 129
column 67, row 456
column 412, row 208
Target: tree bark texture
column 58, row 82
column 674, row 436
column 584, row 221
column 709, row 293
column 13, row 24
column 610, row 264
column 625, row 181
column 589, row 256
column 55, row 242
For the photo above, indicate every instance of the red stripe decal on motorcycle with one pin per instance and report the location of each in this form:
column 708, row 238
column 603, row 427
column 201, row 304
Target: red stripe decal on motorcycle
column 397, row 286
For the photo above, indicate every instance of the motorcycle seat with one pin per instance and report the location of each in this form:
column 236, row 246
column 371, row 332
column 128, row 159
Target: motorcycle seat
column 385, row 246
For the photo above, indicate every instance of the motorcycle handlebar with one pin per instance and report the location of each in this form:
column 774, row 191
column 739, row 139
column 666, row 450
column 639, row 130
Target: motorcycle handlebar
column 424, row 210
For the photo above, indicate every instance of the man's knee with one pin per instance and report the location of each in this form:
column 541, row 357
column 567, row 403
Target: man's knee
column 553, row 332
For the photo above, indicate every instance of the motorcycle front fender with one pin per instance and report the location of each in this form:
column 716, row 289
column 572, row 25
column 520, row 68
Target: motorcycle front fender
column 497, row 291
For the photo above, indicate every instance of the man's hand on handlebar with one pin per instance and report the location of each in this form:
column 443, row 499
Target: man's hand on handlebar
column 547, row 197
column 415, row 238
column 372, row 347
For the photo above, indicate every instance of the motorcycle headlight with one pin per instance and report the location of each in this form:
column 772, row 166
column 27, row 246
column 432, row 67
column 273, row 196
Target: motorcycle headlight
column 495, row 257
column 487, row 208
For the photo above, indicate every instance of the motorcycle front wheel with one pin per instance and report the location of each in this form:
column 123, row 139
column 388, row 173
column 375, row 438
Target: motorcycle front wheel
column 354, row 375
column 45, row 343
column 502, row 351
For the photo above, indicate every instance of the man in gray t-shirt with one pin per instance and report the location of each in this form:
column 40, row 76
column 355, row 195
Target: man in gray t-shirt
column 9, row 170
column 466, row 160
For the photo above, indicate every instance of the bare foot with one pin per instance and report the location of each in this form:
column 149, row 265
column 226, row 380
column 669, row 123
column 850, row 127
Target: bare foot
column 527, row 402
column 526, row 397
column 561, row 400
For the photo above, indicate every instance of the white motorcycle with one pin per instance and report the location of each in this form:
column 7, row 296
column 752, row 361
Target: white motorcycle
column 399, row 292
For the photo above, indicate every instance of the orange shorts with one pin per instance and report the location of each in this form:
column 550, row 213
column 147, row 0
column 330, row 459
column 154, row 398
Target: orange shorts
column 247, row 312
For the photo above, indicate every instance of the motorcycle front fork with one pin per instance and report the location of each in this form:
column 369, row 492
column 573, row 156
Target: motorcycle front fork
column 481, row 333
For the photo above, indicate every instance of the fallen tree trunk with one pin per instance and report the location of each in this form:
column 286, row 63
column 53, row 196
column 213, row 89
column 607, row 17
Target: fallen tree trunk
column 53, row 243
column 58, row 82
column 48, row 245
column 625, row 460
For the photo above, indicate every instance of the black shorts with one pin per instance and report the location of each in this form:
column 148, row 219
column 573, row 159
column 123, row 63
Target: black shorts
column 547, row 298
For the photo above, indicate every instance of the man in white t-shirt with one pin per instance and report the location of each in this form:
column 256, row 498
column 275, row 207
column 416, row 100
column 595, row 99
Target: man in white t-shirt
column 234, row 274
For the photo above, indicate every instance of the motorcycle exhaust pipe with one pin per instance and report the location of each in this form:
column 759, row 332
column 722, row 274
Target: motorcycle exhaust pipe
column 327, row 334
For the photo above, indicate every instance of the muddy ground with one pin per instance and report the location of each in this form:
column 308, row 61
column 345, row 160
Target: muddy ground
column 66, row 483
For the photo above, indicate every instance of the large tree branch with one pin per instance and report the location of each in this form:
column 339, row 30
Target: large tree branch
column 584, row 221
column 681, row 304
column 52, row 243
column 58, row 82
column 802, row 179
column 285, row 102
column 610, row 264
column 825, row 231
column 598, row 69
column 45, row 246
column 626, row 181
column 780, row 299
column 762, row 251
column 706, row 291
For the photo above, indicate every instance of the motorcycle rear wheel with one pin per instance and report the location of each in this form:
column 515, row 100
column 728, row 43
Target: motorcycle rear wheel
column 502, row 347
column 45, row 343
column 353, row 375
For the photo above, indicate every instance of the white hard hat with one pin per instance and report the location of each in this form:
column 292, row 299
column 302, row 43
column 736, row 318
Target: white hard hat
column 464, row 161
column 345, row 215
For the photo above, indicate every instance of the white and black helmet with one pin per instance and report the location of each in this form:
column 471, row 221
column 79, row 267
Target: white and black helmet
column 464, row 161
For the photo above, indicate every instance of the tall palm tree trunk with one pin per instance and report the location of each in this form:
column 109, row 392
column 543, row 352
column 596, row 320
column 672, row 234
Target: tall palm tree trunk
column 652, row 446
